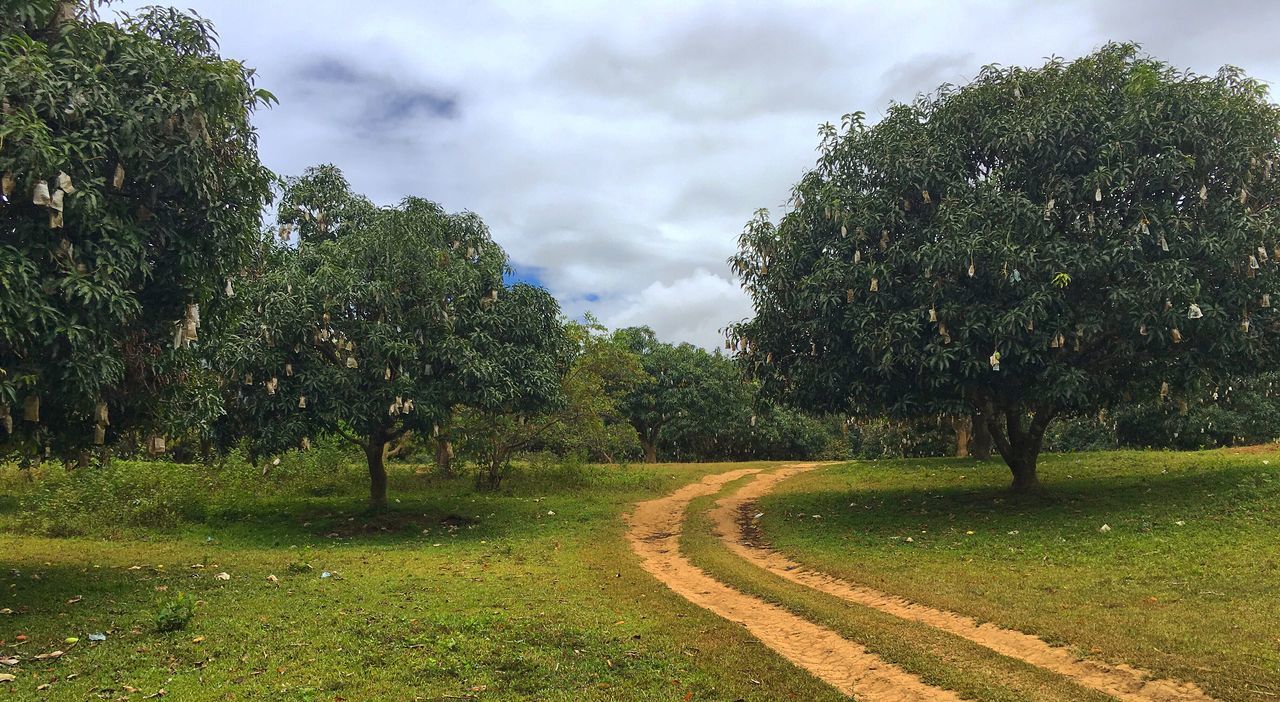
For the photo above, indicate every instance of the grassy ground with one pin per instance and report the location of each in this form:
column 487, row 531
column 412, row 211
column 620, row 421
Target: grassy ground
column 530, row 593
column 938, row 658
column 1184, row 581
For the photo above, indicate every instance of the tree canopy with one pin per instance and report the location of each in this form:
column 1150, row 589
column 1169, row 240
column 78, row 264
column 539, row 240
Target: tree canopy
column 585, row 420
column 684, row 383
column 132, row 191
column 1035, row 242
column 383, row 328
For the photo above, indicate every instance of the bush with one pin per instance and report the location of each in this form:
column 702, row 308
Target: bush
column 893, row 438
column 542, row 472
column 1080, row 434
column 55, row 501
column 124, row 493
column 330, row 467
column 176, row 613
column 545, row 468
column 1243, row 411
column 767, row 432
column 785, row 433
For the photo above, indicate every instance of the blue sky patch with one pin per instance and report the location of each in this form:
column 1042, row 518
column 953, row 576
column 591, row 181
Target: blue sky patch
column 530, row 275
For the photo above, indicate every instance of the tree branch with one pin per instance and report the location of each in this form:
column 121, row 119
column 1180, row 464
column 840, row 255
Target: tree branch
column 350, row 437
column 399, row 447
column 528, row 438
column 998, row 437
column 326, row 351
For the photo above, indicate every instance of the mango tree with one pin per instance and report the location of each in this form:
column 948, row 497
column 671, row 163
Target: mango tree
column 684, row 383
column 603, row 375
column 593, row 375
column 1039, row 241
column 381, row 329
column 132, row 191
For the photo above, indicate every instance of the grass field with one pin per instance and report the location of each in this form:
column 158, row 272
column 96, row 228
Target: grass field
column 533, row 593
column 530, row 593
column 938, row 658
column 1184, row 581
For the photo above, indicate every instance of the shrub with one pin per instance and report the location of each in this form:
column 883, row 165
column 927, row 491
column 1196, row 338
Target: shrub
column 176, row 613
column 765, row 432
column 1080, row 434
column 55, row 501
column 1245, row 411
column 543, row 472
column 124, row 493
column 892, row 438
column 329, row 467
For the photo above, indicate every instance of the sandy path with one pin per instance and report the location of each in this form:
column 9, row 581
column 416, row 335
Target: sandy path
column 847, row 666
column 1120, row 681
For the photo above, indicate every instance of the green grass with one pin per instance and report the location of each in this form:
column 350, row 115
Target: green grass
column 533, row 593
column 452, row 595
column 1185, row 583
column 939, row 658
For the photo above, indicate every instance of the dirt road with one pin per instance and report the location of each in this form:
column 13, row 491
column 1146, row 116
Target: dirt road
column 845, row 664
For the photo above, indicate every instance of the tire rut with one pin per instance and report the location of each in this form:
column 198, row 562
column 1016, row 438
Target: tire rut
column 1121, row 681
column 654, row 534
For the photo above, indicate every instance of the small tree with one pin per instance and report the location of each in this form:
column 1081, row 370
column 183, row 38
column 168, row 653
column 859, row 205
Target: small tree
column 603, row 374
column 131, row 192
column 594, row 373
column 382, row 329
column 684, row 382
column 1036, row 242
column 522, row 356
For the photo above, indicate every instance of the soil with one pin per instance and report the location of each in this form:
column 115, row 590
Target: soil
column 655, row 535
column 734, row 524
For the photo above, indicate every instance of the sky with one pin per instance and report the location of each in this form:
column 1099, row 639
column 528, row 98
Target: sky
column 617, row 149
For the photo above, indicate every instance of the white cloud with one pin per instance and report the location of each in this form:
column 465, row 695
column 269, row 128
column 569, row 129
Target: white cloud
column 616, row 149
column 681, row 310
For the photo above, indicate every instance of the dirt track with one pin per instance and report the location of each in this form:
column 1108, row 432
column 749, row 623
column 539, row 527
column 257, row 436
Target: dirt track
column 846, row 665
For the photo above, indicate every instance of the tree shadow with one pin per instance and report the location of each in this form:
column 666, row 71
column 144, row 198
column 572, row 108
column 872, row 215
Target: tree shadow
column 1143, row 497
column 270, row 515
column 349, row 521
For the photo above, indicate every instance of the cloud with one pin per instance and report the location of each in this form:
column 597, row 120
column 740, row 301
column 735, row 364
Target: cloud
column 680, row 310
column 1192, row 33
column 366, row 101
column 903, row 81
column 710, row 66
column 616, row 149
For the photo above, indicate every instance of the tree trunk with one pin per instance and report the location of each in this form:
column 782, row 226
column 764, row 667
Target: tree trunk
column 492, row 477
column 650, row 450
column 444, row 446
column 64, row 12
column 980, row 442
column 397, row 448
column 1023, row 468
column 373, row 454
column 961, row 425
column 495, row 466
column 1019, row 446
column 444, row 457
